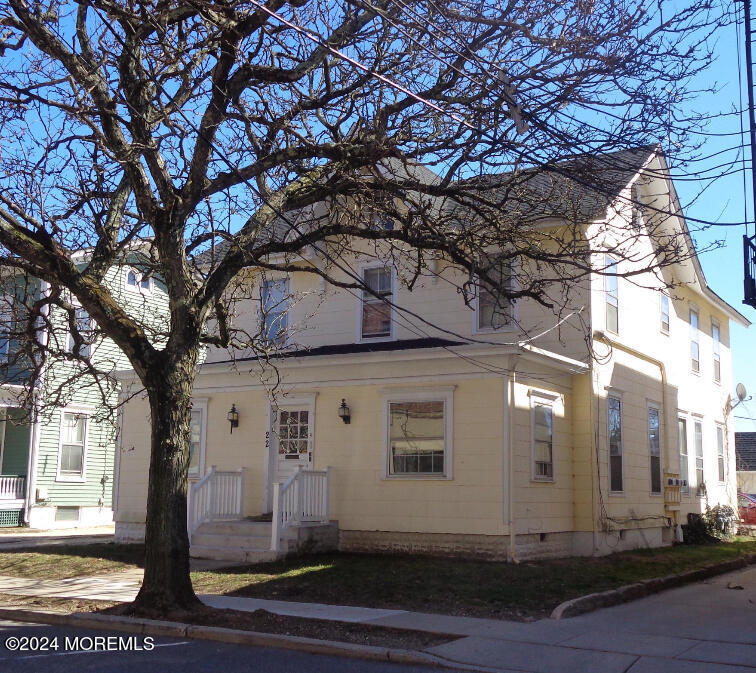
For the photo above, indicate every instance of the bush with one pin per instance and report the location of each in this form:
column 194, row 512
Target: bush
column 715, row 524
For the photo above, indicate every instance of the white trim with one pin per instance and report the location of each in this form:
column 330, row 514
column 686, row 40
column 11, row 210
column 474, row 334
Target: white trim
column 435, row 394
column 138, row 289
column 85, row 414
column 200, row 404
column 544, row 399
column 394, row 300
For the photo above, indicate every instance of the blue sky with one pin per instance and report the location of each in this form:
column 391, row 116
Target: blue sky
column 723, row 202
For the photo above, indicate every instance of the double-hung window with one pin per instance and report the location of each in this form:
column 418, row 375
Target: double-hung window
column 419, row 434
column 720, row 453
column 73, row 441
column 695, row 360
column 611, row 287
column 275, row 310
column 543, row 438
column 682, row 439
column 85, row 327
column 375, row 320
column 698, row 439
column 495, row 309
column 654, row 449
column 6, row 325
column 615, row 445
column 716, row 351
column 664, row 306
column 197, row 437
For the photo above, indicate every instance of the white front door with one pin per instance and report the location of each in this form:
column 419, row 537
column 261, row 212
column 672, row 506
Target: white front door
column 292, row 437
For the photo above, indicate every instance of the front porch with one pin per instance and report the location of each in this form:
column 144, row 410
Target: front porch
column 219, row 530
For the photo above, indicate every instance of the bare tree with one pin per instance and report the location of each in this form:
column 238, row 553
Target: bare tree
column 219, row 137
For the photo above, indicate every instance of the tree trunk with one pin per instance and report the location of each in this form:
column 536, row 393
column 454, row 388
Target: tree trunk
column 167, row 585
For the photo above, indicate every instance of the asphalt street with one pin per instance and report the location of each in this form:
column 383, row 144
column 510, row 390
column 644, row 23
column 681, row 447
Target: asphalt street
column 166, row 656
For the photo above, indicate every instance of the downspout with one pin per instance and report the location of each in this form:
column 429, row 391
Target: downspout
column 31, row 469
column 510, row 460
column 600, row 336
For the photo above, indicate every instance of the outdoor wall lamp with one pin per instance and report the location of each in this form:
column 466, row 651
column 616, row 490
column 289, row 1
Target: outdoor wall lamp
column 233, row 418
column 345, row 413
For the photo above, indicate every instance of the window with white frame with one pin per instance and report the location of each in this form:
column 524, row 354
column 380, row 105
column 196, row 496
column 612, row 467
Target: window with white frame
column 542, row 414
column 495, row 308
column 275, row 310
column 698, row 443
column 86, row 329
column 716, row 350
column 611, row 287
column 73, row 442
column 197, row 437
column 419, row 435
column 664, row 304
column 615, row 445
column 654, row 449
column 682, row 440
column 7, row 303
column 138, row 281
column 375, row 319
column 720, row 453
column 695, row 360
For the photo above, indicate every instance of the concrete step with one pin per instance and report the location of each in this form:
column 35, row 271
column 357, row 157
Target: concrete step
column 250, row 528
column 234, row 554
column 207, row 539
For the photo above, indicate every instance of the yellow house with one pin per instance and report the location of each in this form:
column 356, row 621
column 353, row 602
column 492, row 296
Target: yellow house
column 453, row 433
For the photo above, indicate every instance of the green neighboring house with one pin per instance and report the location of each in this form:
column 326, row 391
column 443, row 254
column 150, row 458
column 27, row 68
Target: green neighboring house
column 57, row 460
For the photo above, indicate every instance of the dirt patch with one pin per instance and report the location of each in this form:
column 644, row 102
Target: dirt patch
column 66, row 605
column 321, row 629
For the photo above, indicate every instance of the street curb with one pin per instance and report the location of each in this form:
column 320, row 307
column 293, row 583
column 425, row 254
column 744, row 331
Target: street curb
column 152, row 627
column 631, row 592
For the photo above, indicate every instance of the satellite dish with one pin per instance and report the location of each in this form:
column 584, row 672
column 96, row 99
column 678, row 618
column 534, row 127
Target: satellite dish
column 740, row 391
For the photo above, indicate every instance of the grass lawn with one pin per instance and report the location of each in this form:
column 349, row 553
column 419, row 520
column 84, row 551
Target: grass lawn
column 454, row 586
column 450, row 586
column 57, row 562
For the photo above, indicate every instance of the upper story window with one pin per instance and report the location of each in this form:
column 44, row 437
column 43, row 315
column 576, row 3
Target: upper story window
column 543, row 438
column 664, row 313
column 495, row 309
column 138, row 281
column 375, row 319
column 611, row 287
column 615, row 445
column 716, row 350
column 85, row 326
column 73, row 444
column 419, row 434
column 6, row 325
column 695, row 361
column 275, row 310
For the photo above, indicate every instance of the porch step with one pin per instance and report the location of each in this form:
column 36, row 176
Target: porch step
column 242, row 540
column 217, row 540
column 234, row 554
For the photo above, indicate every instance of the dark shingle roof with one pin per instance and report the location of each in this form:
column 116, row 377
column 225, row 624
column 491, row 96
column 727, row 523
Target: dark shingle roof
column 745, row 451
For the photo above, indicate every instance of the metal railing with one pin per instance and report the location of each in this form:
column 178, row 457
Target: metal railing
column 301, row 499
column 218, row 495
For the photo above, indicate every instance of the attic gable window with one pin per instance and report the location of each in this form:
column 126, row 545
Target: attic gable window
column 137, row 281
column 611, row 287
column 375, row 321
column 495, row 308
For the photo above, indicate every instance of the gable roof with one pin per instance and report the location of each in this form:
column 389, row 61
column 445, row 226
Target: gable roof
column 745, row 451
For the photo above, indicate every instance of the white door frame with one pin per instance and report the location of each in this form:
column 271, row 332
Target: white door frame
column 302, row 401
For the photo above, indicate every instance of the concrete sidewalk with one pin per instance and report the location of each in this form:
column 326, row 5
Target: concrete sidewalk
column 20, row 538
column 708, row 627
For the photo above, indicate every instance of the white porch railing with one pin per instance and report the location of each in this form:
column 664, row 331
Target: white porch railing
column 302, row 498
column 218, row 495
column 12, row 487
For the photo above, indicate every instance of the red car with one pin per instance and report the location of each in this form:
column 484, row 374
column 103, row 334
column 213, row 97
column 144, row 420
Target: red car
column 747, row 508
